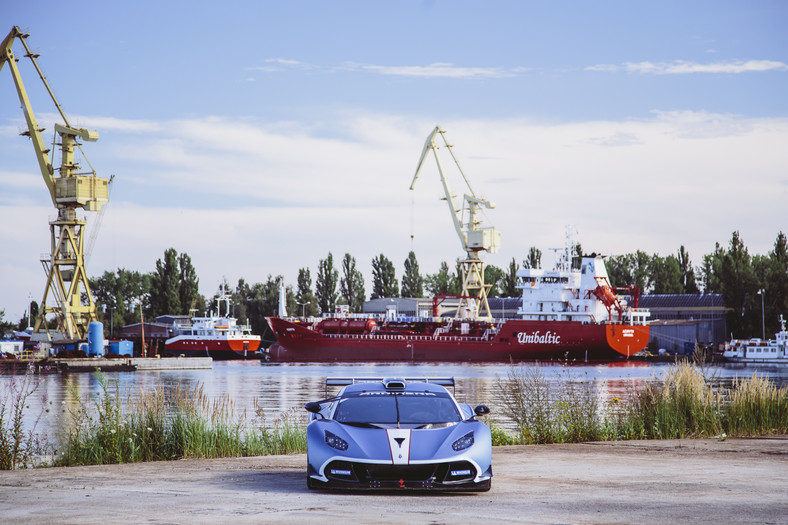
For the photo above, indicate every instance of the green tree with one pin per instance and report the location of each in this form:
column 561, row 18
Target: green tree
column 326, row 284
column 240, row 298
column 711, row 270
column 620, row 269
column 165, row 286
column 118, row 295
column 412, row 281
column 495, row 277
column 666, row 275
column 509, row 287
column 25, row 320
column 307, row 302
column 352, row 284
column 189, row 284
column 5, row 326
column 263, row 301
column 534, row 259
column 739, row 284
column 688, row 283
column 641, row 271
column 441, row 283
column 776, row 284
column 384, row 280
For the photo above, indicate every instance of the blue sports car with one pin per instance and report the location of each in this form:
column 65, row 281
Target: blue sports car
column 397, row 434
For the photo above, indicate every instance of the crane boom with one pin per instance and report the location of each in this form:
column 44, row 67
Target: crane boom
column 34, row 132
column 473, row 237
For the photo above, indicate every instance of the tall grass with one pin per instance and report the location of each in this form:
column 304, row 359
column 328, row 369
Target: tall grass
column 18, row 447
column 543, row 413
column 684, row 404
column 756, row 406
column 160, row 425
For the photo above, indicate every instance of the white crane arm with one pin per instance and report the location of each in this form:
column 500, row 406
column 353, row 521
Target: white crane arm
column 456, row 213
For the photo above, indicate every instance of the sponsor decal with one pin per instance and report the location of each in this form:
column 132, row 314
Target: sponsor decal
column 466, row 472
column 537, row 337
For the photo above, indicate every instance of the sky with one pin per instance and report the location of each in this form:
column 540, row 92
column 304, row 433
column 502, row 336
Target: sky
column 258, row 136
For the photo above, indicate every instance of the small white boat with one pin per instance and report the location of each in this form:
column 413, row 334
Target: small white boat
column 758, row 350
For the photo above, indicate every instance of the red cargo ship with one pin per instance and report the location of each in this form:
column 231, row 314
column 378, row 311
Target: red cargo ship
column 570, row 312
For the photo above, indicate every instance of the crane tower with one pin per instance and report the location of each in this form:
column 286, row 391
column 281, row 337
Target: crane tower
column 473, row 237
column 70, row 189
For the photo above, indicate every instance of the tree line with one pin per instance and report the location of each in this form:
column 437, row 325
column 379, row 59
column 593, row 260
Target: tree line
column 743, row 280
column 753, row 287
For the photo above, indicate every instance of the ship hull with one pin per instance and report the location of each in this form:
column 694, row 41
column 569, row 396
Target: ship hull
column 517, row 340
column 218, row 349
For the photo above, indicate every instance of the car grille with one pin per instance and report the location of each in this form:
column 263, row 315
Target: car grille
column 396, row 472
column 456, row 472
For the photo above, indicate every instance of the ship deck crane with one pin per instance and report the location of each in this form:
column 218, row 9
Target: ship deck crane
column 67, row 280
column 473, row 237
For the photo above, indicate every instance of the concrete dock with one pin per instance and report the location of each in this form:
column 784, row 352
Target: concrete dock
column 680, row 481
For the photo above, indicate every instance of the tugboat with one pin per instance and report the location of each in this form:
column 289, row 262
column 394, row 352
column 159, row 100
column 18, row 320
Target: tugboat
column 759, row 351
column 216, row 336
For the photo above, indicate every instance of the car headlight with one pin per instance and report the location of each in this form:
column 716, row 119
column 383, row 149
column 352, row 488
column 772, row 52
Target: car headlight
column 463, row 443
column 334, row 441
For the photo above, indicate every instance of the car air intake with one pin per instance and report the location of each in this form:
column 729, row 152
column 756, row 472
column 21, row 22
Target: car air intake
column 394, row 384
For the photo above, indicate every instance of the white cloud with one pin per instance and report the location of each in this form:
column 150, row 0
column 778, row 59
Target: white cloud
column 681, row 67
column 438, row 70
column 434, row 70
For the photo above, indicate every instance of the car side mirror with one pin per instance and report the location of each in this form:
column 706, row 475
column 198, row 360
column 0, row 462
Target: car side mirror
column 481, row 410
column 313, row 407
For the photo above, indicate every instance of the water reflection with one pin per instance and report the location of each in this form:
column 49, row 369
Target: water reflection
column 278, row 388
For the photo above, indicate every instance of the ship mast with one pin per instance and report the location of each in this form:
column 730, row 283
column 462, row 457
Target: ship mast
column 473, row 237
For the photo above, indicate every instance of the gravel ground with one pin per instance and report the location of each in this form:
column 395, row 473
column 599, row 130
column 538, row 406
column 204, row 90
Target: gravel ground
column 681, row 481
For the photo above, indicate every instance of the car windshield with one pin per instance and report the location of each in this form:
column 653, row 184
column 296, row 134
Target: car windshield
column 390, row 408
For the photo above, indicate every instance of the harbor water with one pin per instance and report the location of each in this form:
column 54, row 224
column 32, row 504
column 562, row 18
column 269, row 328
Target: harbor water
column 279, row 388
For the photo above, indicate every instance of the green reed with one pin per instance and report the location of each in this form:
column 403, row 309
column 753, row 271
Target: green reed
column 18, row 447
column 545, row 413
column 756, row 406
column 683, row 405
column 167, row 425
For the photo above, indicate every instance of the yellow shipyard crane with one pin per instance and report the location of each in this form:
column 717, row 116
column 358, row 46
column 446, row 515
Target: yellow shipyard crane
column 473, row 237
column 67, row 282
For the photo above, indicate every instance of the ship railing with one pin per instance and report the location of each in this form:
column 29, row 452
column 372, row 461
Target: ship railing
column 386, row 337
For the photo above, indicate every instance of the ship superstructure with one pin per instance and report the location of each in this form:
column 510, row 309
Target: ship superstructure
column 577, row 289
